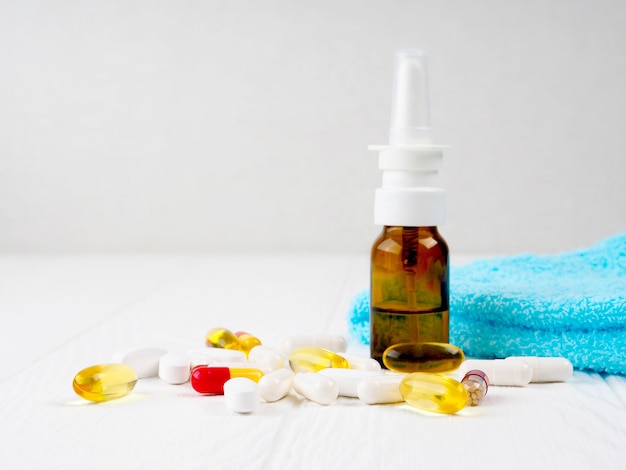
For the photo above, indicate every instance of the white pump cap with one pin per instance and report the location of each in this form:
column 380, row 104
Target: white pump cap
column 411, row 194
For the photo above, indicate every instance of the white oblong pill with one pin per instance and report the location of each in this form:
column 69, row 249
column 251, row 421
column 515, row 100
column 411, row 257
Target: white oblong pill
column 264, row 355
column 316, row 387
column 380, row 390
column 362, row 363
column 144, row 361
column 276, row 385
column 501, row 372
column 174, row 368
column 208, row 356
column 334, row 343
column 241, row 395
column 547, row 369
column 348, row 379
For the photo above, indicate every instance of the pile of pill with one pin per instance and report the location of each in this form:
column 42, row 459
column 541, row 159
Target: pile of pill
column 247, row 373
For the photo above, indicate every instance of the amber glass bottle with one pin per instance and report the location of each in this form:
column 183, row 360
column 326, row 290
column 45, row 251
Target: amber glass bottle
column 409, row 288
column 409, row 266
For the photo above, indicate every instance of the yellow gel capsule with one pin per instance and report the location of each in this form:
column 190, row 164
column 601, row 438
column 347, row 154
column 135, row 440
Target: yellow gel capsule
column 104, row 382
column 223, row 338
column 247, row 341
column 433, row 392
column 423, row 357
column 312, row 359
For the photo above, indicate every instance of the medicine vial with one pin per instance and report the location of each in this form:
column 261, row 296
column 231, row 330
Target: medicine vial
column 409, row 260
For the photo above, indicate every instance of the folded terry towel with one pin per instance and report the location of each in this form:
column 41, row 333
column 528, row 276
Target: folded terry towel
column 570, row 304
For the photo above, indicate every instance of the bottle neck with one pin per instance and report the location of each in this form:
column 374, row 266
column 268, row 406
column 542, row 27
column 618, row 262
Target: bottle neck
column 427, row 230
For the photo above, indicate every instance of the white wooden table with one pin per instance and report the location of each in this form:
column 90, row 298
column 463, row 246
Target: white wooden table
column 63, row 313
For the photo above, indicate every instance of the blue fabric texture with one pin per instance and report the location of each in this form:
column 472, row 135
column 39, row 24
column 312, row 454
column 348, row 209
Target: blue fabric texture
column 570, row 304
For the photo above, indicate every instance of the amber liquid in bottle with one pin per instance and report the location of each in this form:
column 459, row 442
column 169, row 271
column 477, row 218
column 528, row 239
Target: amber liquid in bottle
column 409, row 288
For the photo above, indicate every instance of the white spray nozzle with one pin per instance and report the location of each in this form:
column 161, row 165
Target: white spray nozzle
column 411, row 194
column 410, row 113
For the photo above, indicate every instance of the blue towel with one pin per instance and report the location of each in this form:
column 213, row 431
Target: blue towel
column 570, row 304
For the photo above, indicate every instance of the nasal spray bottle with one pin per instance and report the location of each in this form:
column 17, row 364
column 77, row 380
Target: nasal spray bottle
column 409, row 266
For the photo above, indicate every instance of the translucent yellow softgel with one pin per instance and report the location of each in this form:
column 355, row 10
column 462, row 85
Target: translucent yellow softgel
column 423, row 357
column 223, row 338
column 247, row 341
column 433, row 392
column 104, row 382
column 312, row 359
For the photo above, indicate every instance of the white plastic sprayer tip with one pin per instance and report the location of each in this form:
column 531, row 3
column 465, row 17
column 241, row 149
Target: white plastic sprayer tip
column 410, row 113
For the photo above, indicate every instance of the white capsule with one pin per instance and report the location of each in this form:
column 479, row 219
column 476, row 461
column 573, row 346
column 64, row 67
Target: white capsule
column 316, row 387
column 362, row 363
column 206, row 356
column 241, row 395
column 144, row 361
column 276, row 385
column 547, row 369
column 348, row 379
column 501, row 372
column 264, row 355
column 334, row 343
column 379, row 390
column 174, row 368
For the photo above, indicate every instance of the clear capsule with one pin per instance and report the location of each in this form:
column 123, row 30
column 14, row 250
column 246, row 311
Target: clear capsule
column 316, row 387
column 210, row 380
column 423, row 357
column 223, row 338
column 433, row 392
column 477, row 383
column 312, row 359
column 104, row 382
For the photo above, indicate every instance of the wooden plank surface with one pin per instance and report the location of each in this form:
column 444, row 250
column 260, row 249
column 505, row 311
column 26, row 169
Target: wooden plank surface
column 60, row 314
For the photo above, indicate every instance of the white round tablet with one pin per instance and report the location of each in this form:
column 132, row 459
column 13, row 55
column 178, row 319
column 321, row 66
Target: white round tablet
column 174, row 368
column 241, row 395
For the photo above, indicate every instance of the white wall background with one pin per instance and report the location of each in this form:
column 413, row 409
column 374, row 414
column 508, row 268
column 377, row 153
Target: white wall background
column 177, row 125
